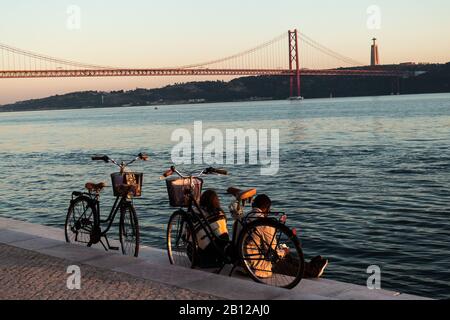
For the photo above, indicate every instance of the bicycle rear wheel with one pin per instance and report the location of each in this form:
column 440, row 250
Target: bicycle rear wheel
column 271, row 253
column 129, row 230
column 81, row 221
column 181, row 243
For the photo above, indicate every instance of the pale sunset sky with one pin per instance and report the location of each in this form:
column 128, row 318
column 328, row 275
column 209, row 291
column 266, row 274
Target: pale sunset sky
column 157, row 33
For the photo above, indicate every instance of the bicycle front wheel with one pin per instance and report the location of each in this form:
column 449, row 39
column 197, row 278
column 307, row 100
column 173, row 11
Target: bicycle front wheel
column 181, row 243
column 129, row 230
column 271, row 253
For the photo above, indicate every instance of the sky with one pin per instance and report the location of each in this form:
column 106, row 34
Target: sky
column 156, row 33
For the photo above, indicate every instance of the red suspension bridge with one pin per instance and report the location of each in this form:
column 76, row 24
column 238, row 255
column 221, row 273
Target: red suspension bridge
column 291, row 54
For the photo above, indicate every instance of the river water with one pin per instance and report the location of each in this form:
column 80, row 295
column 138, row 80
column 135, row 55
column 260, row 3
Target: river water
column 366, row 181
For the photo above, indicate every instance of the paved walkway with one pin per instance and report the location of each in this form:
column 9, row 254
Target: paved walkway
column 30, row 275
column 34, row 261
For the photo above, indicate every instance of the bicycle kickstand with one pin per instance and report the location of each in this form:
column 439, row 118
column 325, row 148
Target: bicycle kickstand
column 220, row 269
column 232, row 269
column 106, row 249
column 109, row 246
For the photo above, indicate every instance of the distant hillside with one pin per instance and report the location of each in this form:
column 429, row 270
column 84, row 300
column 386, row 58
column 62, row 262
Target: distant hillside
column 435, row 79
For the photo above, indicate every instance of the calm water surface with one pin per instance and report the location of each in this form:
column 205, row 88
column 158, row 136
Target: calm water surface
column 365, row 180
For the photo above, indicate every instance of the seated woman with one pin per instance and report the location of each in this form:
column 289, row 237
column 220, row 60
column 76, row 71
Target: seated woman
column 209, row 257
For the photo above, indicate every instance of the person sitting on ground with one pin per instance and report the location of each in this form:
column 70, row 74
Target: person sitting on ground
column 209, row 256
column 313, row 269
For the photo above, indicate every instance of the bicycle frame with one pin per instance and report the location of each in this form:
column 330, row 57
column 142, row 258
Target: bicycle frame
column 266, row 247
column 227, row 257
column 200, row 218
column 93, row 198
column 95, row 203
column 112, row 214
column 119, row 199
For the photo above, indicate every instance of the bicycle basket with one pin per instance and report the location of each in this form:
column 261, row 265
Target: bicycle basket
column 178, row 190
column 127, row 178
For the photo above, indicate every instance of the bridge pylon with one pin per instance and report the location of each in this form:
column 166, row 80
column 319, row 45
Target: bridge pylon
column 294, row 62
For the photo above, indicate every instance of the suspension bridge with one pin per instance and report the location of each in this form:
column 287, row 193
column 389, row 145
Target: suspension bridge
column 291, row 54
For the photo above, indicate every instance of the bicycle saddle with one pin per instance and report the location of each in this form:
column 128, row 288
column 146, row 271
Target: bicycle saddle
column 95, row 187
column 242, row 195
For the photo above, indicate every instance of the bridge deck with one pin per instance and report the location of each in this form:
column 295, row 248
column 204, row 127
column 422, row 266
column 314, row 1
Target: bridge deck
column 192, row 72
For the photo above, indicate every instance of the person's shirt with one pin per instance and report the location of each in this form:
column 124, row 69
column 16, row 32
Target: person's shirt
column 256, row 213
column 261, row 267
column 266, row 237
column 217, row 221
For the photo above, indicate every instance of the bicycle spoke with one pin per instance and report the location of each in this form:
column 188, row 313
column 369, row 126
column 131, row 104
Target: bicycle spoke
column 266, row 252
column 80, row 222
column 128, row 230
column 179, row 242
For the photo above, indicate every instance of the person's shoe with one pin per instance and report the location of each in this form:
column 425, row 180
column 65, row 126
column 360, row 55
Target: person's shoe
column 321, row 266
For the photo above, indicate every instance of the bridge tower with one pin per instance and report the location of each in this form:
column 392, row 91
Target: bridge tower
column 294, row 62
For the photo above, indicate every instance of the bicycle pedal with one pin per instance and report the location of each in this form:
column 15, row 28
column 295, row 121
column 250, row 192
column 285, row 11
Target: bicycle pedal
column 114, row 248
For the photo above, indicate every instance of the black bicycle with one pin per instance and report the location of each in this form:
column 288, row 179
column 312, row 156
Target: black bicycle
column 266, row 248
column 83, row 221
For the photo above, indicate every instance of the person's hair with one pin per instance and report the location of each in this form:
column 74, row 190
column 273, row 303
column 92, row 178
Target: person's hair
column 210, row 201
column 262, row 202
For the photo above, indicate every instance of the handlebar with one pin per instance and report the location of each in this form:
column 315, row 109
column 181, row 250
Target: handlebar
column 169, row 172
column 206, row 171
column 141, row 156
column 212, row 170
column 101, row 158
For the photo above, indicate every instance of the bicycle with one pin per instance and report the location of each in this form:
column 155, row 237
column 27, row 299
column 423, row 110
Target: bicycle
column 266, row 248
column 83, row 221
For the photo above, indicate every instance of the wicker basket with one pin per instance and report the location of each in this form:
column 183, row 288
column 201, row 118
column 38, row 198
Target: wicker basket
column 127, row 178
column 179, row 189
